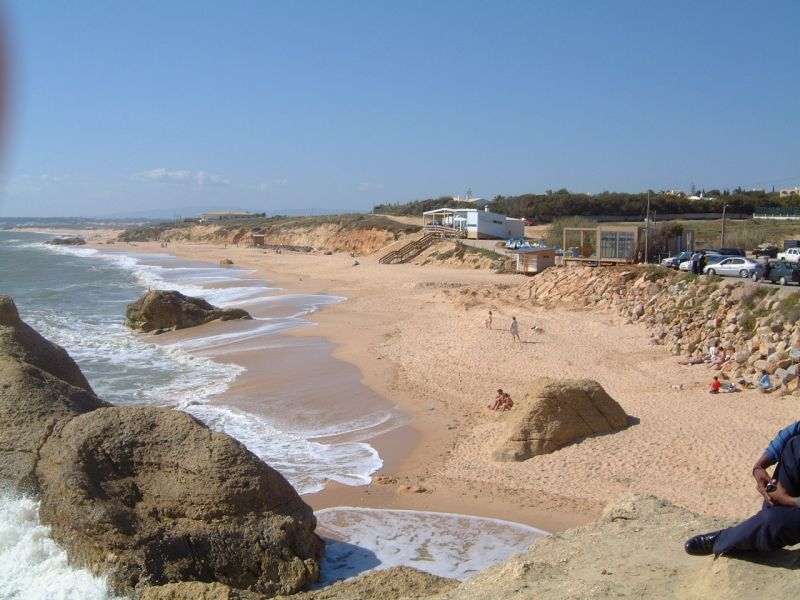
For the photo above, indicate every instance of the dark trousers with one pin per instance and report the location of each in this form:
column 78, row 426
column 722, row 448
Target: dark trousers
column 772, row 527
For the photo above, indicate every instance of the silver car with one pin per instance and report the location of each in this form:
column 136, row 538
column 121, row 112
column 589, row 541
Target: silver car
column 734, row 266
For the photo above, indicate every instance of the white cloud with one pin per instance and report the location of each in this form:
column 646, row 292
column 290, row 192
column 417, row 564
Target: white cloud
column 183, row 176
column 370, row 186
column 278, row 182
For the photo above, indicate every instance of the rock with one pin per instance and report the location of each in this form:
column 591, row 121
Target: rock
column 151, row 496
column 635, row 550
column 225, row 262
column 169, row 310
column 195, row 590
column 556, row 412
column 783, row 375
column 67, row 241
column 20, row 341
column 40, row 385
column 638, row 310
column 394, row 583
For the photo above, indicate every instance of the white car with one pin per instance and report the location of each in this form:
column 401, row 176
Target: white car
column 790, row 255
column 710, row 260
column 734, row 266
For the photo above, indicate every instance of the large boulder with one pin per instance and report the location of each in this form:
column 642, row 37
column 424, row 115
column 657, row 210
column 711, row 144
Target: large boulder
column 40, row 385
column 152, row 496
column 556, row 412
column 162, row 310
column 20, row 341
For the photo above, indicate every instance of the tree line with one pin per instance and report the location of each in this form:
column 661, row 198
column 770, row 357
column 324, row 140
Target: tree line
column 561, row 203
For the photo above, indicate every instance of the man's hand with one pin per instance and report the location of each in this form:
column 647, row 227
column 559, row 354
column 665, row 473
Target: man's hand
column 781, row 497
column 762, row 479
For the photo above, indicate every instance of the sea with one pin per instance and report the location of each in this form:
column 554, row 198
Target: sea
column 76, row 297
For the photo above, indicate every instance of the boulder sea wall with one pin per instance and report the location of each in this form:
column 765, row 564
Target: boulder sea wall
column 160, row 310
column 556, row 412
column 153, row 496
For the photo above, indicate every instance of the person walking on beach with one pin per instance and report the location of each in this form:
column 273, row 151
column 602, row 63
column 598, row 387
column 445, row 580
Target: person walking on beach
column 514, row 329
column 488, row 321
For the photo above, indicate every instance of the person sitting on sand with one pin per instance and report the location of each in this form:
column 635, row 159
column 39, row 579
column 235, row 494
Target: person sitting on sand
column 777, row 524
column 499, row 400
column 508, row 403
column 715, row 385
column 765, row 383
column 721, row 359
column 514, row 329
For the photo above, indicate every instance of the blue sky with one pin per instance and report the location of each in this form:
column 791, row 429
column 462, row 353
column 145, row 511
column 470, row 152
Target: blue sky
column 126, row 107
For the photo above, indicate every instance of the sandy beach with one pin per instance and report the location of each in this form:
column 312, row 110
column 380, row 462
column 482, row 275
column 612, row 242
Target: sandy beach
column 416, row 337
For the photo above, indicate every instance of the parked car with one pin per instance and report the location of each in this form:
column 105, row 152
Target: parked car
column 514, row 243
column 790, row 255
column 734, row 266
column 766, row 249
column 711, row 258
column 731, row 252
column 673, row 262
column 783, row 272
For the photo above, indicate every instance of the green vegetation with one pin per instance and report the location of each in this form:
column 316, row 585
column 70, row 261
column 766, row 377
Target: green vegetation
column 343, row 223
column 417, row 207
column 563, row 203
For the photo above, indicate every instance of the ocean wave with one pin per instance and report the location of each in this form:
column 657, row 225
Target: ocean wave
column 306, row 464
column 32, row 565
column 444, row 544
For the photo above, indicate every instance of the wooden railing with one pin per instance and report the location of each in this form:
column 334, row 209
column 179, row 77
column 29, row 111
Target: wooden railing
column 448, row 232
column 410, row 250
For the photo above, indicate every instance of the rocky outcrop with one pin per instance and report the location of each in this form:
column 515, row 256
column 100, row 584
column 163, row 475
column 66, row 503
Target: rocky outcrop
column 159, row 311
column 20, row 341
column 556, row 412
column 152, row 496
column 141, row 494
column 67, row 241
column 40, row 386
column 395, row 583
column 635, row 550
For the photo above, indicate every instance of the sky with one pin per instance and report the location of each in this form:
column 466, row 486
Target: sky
column 131, row 108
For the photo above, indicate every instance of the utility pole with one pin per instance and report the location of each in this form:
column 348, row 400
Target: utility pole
column 647, row 228
column 722, row 237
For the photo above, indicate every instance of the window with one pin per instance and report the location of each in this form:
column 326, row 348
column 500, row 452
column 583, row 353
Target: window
column 616, row 244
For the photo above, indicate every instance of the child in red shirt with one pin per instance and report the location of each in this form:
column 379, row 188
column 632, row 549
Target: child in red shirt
column 715, row 385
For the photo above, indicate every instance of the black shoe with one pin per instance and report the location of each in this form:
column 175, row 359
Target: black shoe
column 701, row 545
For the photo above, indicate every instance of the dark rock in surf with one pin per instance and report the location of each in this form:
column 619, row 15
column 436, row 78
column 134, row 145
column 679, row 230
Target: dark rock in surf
column 67, row 241
column 159, row 311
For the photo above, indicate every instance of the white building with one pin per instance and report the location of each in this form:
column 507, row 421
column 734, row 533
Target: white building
column 473, row 223
column 790, row 192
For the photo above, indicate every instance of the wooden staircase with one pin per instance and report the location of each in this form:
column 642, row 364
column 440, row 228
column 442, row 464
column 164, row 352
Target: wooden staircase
column 410, row 250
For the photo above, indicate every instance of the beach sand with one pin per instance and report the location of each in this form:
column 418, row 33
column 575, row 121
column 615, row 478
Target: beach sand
column 421, row 345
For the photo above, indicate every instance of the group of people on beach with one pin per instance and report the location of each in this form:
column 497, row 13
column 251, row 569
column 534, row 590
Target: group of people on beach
column 502, row 401
column 513, row 328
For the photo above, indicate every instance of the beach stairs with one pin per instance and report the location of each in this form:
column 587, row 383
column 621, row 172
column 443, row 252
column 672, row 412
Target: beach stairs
column 410, row 250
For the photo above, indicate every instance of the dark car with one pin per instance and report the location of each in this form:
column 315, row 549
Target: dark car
column 731, row 252
column 783, row 272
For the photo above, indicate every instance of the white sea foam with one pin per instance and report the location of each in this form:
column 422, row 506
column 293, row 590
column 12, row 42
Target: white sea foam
column 448, row 545
column 307, row 464
column 32, row 565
